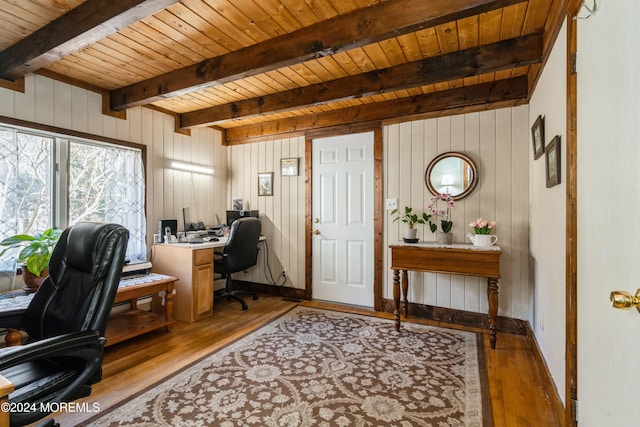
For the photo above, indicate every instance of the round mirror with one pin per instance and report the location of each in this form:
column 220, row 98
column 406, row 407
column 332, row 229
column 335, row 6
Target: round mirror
column 451, row 173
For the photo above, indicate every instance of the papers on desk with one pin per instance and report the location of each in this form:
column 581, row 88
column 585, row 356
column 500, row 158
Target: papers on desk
column 16, row 303
column 142, row 278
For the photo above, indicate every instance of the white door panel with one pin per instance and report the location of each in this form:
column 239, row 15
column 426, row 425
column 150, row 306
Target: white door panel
column 343, row 218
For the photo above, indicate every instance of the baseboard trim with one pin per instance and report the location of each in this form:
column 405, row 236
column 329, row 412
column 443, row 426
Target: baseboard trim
column 261, row 288
column 546, row 378
column 461, row 317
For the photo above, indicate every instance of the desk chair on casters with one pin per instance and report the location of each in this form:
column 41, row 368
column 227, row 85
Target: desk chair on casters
column 65, row 322
column 239, row 254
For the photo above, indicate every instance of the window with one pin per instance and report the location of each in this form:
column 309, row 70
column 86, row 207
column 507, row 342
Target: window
column 48, row 180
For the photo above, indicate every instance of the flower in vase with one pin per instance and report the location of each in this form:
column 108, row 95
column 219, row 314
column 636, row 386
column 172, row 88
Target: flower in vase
column 482, row 226
column 445, row 214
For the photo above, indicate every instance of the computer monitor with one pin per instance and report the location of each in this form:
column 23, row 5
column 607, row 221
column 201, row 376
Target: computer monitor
column 234, row 215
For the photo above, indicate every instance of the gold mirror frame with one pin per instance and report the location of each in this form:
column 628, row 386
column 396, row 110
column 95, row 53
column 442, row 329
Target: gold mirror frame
column 466, row 178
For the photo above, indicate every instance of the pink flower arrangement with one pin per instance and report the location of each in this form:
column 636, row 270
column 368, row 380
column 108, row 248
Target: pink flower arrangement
column 445, row 214
column 482, row 226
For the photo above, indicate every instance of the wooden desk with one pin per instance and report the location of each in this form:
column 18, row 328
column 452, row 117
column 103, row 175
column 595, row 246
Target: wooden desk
column 461, row 259
column 136, row 322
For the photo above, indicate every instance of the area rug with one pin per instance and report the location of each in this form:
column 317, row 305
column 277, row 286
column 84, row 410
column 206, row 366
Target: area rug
column 314, row 367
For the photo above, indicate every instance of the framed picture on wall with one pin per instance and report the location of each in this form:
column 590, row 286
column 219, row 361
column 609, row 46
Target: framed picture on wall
column 265, row 184
column 537, row 134
column 552, row 160
column 289, row 167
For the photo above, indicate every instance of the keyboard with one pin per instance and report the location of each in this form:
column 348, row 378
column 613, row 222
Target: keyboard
column 137, row 279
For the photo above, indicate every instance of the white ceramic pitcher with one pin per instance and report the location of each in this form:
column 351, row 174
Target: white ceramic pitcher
column 483, row 239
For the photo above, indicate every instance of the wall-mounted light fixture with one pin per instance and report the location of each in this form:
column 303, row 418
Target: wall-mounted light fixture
column 447, row 181
column 190, row 167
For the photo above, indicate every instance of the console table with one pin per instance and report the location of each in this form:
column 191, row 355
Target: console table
column 463, row 259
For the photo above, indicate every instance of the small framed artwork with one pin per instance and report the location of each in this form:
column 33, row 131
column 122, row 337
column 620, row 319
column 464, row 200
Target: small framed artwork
column 265, row 184
column 552, row 157
column 289, row 167
column 537, row 134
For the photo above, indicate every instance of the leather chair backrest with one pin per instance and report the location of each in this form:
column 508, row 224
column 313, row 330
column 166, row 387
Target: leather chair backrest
column 241, row 250
column 84, row 274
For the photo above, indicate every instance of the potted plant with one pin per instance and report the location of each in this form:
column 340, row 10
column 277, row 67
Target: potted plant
column 482, row 229
column 443, row 236
column 35, row 255
column 410, row 218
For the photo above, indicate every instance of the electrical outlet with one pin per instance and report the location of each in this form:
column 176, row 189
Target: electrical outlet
column 392, row 204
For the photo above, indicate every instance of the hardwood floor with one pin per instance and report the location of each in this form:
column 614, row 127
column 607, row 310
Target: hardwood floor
column 517, row 394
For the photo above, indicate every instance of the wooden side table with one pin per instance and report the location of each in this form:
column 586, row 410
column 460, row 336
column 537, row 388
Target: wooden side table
column 459, row 258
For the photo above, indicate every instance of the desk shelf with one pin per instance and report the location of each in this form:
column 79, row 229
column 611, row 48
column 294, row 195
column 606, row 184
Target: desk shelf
column 136, row 322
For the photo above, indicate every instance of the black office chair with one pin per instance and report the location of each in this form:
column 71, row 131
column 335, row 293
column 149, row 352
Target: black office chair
column 65, row 321
column 240, row 252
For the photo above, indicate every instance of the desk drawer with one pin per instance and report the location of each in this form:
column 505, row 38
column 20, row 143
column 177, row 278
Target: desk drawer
column 202, row 256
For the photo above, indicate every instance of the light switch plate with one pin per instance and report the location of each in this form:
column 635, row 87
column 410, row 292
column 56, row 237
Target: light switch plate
column 392, row 204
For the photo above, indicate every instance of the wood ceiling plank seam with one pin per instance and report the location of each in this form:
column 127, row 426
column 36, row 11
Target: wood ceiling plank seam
column 490, row 24
column 237, row 17
column 260, row 88
column 92, row 72
column 471, row 81
column 513, row 20
column 267, row 79
column 241, row 90
column 448, row 37
column 196, row 24
column 114, row 58
column 262, row 20
column 156, row 31
column 536, row 17
column 323, row 9
column 283, row 80
column 45, row 12
column 317, row 67
column 183, row 33
column 468, row 32
column 429, row 43
column 377, row 56
column 360, row 58
column 410, row 47
column 333, row 68
column 293, row 76
column 487, row 78
column 301, row 11
column 280, row 14
column 234, row 23
column 305, row 74
column 393, row 51
column 137, row 50
column 135, row 40
column 207, row 15
column 344, row 60
column 12, row 12
column 343, row 6
column 456, row 83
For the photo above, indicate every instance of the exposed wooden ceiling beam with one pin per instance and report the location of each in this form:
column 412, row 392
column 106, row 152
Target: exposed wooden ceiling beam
column 364, row 26
column 91, row 21
column 466, row 63
column 514, row 89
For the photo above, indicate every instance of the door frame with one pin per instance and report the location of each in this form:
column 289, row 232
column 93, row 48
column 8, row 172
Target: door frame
column 376, row 128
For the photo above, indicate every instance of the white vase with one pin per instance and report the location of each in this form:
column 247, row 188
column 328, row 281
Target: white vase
column 444, row 238
column 483, row 239
column 410, row 233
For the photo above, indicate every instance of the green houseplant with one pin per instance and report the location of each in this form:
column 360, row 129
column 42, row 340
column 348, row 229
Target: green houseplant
column 35, row 254
column 411, row 219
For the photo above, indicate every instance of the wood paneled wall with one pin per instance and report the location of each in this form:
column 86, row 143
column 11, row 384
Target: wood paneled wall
column 53, row 103
column 498, row 142
column 282, row 214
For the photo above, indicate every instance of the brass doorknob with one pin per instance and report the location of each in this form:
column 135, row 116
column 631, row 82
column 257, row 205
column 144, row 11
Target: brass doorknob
column 316, row 231
column 624, row 300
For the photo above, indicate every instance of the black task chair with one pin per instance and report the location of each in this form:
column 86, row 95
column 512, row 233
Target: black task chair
column 240, row 253
column 65, row 322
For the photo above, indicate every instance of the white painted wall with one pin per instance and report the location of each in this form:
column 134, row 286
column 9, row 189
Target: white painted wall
column 608, row 207
column 497, row 141
column 54, row 103
column 547, row 216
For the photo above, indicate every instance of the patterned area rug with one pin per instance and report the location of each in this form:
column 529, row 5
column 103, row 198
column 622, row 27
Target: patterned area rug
column 315, row 367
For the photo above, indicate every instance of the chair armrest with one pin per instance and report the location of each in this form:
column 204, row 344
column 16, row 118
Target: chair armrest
column 61, row 345
column 12, row 318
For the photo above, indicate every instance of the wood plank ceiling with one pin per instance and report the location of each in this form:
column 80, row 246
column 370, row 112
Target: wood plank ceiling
column 260, row 68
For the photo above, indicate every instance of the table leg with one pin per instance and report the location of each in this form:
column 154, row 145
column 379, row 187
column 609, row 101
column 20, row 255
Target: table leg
column 396, row 298
column 492, row 294
column 168, row 305
column 405, row 291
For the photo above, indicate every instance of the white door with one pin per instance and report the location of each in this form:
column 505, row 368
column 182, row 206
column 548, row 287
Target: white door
column 342, row 220
column 608, row 212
